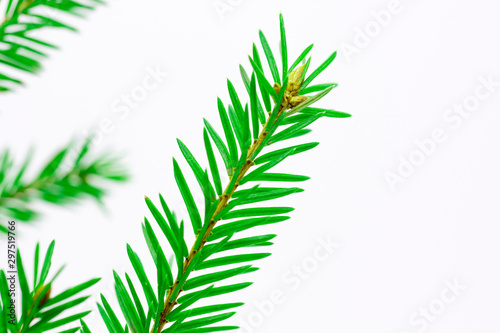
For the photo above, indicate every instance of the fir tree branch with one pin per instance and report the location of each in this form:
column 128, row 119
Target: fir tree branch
column 248, row 130
column 40, row 310
column 21, row 50
column 63, row 180
column 270, row 125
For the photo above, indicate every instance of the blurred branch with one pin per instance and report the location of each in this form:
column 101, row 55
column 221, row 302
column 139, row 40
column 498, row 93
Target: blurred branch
column 40, row 310
column 70, row 175
column 20, row 49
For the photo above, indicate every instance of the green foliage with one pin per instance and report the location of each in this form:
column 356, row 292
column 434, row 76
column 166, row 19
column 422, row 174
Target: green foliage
column 70, row 175
column 170, row 304
column 21, row 49
column 40, row 310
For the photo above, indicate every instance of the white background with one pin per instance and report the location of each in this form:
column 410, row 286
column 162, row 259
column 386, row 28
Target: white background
column 397, row 247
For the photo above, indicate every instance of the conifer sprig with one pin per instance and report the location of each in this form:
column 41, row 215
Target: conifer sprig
column 39, row 309
column 274, row 112
column 21, row 48
column 63, row 180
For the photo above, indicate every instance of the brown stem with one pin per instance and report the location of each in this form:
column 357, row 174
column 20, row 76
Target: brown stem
column 36, row 295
